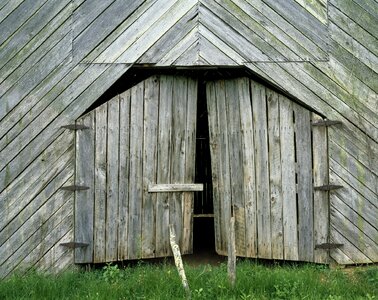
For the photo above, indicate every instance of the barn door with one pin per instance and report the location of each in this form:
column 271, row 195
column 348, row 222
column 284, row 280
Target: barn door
column 262, row 153
column 140, row 142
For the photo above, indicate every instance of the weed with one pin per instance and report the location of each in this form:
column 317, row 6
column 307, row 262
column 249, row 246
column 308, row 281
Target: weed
column 111, row 273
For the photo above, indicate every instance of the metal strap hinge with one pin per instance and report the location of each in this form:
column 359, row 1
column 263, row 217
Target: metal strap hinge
column 74, row 188
column 75, row 127
column 328, row 187
column 326, row 123
column 74, row 245
column 328, row 246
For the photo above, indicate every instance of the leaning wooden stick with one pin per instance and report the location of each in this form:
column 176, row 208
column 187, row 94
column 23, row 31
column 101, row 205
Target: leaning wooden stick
column 178, row 260
column 231, row 263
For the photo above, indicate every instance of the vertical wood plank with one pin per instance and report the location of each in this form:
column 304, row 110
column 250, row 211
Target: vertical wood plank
column 321, row 199
column 111, row 227
column 177, row 171
column 124, row 167
column 262, row 170
column 101, row 115
column 214, row 139
column 289, row 205
column 275, row 173
column 163, row 164
column 136, row 172
column 236, row 164
column 84, row 199
column 190, row 145
column 224, row 166
column 249, row 188
column 304, row 183
column 151, row 105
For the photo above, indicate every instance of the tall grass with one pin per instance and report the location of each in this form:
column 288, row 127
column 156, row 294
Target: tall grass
column 145, row 281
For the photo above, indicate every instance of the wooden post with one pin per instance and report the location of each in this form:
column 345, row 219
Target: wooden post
column 178, row 261
column 231, row 263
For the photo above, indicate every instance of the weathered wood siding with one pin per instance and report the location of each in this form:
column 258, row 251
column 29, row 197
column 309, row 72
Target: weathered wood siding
column 262, row 154
column 322, row 52
column 141, row 137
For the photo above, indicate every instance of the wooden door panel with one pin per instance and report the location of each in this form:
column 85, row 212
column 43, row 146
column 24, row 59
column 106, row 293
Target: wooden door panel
column 143, row 136
column 261, row 154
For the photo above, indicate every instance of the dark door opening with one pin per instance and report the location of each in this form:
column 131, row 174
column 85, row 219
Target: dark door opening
column 203, row 223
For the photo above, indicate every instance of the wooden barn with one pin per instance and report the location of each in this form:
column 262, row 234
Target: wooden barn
column 120, row 117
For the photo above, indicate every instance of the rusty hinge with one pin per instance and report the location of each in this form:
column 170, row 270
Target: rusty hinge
column 74, row 245
column 326, row 123
column 74, row 188
column 328, row 187
column 328, row 246
column 75, row 127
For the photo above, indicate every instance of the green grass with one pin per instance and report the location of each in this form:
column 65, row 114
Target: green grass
column 144, row 281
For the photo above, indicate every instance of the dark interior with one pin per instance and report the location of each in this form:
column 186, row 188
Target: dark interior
column 203, row 223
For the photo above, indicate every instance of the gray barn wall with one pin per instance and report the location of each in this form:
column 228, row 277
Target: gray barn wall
column 58, row 56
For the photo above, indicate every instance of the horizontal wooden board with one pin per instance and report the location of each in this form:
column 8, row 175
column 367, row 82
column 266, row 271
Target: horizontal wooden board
column 175, row 187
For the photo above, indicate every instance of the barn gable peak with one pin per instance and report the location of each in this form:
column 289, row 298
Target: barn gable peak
column 199, row 32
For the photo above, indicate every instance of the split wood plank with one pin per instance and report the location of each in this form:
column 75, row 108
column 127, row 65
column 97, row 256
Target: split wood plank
column 304, row 183
column 177, row 170
column 163, row 164
column 275, row 173
column 175, row 187
column 136, row 172
column 214, row 140
column 151, row 105
column 231, row 262
column 236, row 164
column 99, row 238
column 248, row 159
column 112, row 175
column 84, row 204
column 190, row 145
column 260, row 126
column 321, row 199
column 224, row 157
column 124, row 169
column 289, row 205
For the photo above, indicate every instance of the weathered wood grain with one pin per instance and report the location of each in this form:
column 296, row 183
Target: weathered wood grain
column 175, row 187
column 321, row 199
column 224, row 168
column 177, row 159
column 248, row 159
column 35, row 229
column 151, row 105
column 112, row 183
column 124, row 169
column 260, row 127
column 289, row 205
column 21, row 191
column 163, row 164
column 304, row 183
column 275, row 173
column 214, row 140
column 101, row 117
column 84, row 200
column 236, row 164
column 362, row 233
column 136, row 172
column 190, row 151
column 38, row 201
